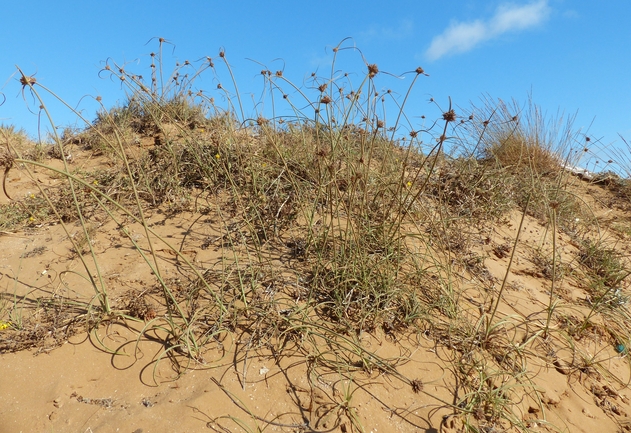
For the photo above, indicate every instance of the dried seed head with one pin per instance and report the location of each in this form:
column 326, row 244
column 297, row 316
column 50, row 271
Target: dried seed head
column 219, row 86
column 161, row 40
column 380, row 124
column 325, row 100
column 152, row 54
column 486, row 122
column 261, row 121
column 417, row 386
column 413, row 134
column 449, row 116
column 372, row 70
column 99, row 99
column 471, row 117
column 313, row 74
column 336, row 49
column 279, row 73
column 420, row 70
column 514, row 118
column 285, row 96
column 323, row 87
column 27, row 81
column 222, row 53
column 588, row 139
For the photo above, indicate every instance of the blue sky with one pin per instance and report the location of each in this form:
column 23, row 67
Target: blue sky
column 570, row 56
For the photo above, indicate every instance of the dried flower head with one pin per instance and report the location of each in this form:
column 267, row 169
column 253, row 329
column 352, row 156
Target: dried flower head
column 449, row 116
column 323, row 87
column 325, row 100
column 417, row 384
column 372, row 70
column 420, row 70
column 279, row 73
column 222, row 53
column 27, row 81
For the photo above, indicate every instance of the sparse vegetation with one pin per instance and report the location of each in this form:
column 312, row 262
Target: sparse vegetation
column 332, row 224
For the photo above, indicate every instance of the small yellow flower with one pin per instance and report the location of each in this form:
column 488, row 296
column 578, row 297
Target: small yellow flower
column 4, row 325
column 31, row 219
column 95, row 182
column 217, row 156
column 202, row 130
column 32, row 195
column 409, row 184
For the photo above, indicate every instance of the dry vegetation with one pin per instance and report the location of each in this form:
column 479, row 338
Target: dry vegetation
column 314, row 236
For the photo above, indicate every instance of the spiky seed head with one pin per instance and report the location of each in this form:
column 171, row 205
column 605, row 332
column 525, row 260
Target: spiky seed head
column 417, row 384
column 323, row 87
column 325, row 100
column 222, row 53
column 449, row 116
column 279, row 73
column 372, row 70
column 380, row 124
column 413, row 134
column 420, row 71
column 99, row 99
column 27, row 81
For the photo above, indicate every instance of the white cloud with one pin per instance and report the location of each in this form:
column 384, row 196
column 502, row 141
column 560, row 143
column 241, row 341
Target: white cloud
column 462, row 37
